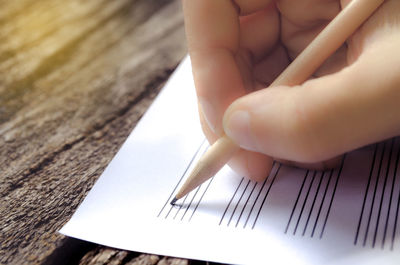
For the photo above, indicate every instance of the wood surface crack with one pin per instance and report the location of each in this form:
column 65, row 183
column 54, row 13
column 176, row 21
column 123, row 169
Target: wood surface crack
column 34, row 169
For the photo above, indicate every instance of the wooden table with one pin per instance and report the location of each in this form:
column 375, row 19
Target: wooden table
column 75, row 78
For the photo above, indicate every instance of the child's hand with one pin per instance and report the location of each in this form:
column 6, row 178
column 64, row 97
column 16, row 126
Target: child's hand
column 240, row 46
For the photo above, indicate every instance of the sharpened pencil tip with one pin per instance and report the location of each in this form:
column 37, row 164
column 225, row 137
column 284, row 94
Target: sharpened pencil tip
column 173, row 202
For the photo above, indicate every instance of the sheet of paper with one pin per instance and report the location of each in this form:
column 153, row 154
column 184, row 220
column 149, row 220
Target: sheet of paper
column 345, row 216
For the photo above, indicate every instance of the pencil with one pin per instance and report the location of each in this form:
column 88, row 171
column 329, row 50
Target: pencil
column 307, row 62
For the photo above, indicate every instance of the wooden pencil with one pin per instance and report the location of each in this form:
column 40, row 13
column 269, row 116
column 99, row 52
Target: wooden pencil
column 306, row 63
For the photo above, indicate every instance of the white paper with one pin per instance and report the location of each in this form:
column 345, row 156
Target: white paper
column 345, row 216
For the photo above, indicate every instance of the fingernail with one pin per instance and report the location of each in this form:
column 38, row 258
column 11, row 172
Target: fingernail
column 237, row 127
column 209, row 114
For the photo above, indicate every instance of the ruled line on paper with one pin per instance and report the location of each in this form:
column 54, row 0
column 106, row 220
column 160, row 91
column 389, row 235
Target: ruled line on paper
column 200, row 150
column 190, row 204
column 266, row 195
column 304, row 202
column 201, row 198
column 313, row 203
column 188, row 207
column 374, row 195
column 395, row 223
column 322, row 203
column 256, row 199
column 309, row 215
column 297, row 201
column 241, row 208
column 238, row 203
column 230, row 201
column 314, row 199
column 379, row 211
column 249, row 199
column 333, row 196
column 253, row 210
column 365, row 196
column 398, row 201
column 382, row 194
column 245, row 205
column 390, row 201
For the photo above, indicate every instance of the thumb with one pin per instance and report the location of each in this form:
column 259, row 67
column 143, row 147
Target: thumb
column 324, row 117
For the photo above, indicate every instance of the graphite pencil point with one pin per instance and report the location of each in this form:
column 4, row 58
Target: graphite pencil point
column 173, row 202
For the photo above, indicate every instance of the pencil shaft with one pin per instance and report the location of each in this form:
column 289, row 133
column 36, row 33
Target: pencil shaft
column 209, row 164
column 327, row 42
column 308, row 61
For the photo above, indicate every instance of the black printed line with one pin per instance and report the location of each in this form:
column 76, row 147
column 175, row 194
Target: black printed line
column 181, row 205
column 313, row 203
column 374, row 194
column 229, row 204
column 304, row 203
column 258, row 195
column 266, row 195
column 383, row 194
column 170, row 209
column 332, row 198
column 190, row 203
column 237, row 204
column 322, row 203
column 395, row 220
column 184, row 199
column 297, row 200
column 245, row 205
column 390, row 198
column 180, row 180
column 365, row 195
column 201, row 198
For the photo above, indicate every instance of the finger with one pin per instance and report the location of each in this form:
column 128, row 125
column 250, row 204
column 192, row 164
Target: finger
column 250, row 6
column 269, row 68
column 326, row 116
column 259, row 32
column 252, row 165
column 210, row 135
column 259, row 37
column 308, row 13
column 256, row 166
column 322, row 165
column 212, row 29
column 302, row 21
column 379, row 28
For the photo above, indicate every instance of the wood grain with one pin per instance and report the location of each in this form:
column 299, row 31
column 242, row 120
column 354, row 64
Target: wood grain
column 75, row 77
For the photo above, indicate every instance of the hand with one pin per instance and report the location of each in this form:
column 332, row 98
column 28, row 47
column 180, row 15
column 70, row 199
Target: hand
column 238, row 47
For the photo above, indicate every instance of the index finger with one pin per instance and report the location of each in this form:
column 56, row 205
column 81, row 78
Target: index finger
column 213, row 33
